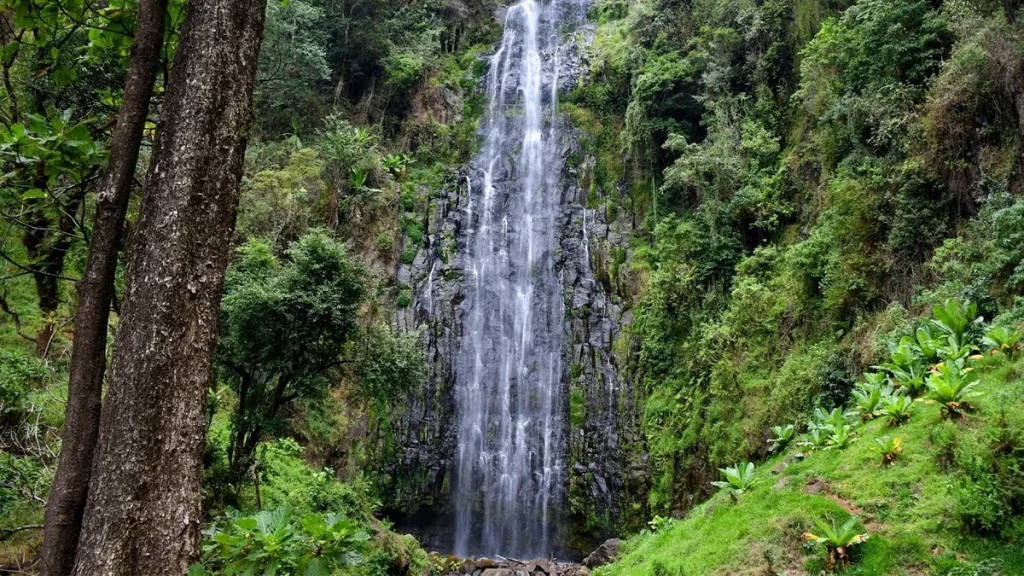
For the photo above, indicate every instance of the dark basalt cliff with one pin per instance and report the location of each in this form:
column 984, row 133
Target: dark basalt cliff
column 606, row 477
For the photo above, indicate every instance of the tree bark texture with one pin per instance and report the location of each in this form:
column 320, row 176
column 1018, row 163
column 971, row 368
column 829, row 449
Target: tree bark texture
column 66, row 504
column 143, row 510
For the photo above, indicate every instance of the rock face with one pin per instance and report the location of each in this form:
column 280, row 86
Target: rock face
column 605, row 465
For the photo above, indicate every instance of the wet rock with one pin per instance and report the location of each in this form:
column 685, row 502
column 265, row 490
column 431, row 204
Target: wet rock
column 539, row 566
column 605, row 554
column 572, row 570
column 485, row 563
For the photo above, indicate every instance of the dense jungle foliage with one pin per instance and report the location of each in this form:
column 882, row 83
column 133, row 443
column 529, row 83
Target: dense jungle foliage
column 826, row 272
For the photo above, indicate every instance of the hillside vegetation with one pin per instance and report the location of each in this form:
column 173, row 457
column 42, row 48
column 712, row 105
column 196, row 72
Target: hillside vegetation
column 933, row 488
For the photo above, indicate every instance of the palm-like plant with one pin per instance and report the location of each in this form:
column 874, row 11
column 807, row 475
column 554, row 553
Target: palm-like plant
column 737, row 479
column 396, row 164
column 890, row 448
column 928, row 343
column 783, row 436
column 898, row 409
column 907, row 366
column 957, row 320
column 815, row 438
column 868, row 396
column 952, row 352
column 824, row 419
column 839, row 437
column 838, row 540
column 1003, row 339
column 953, row 387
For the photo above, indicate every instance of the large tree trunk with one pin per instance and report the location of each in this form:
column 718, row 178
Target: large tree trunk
column 143, row 510
column 66, row 504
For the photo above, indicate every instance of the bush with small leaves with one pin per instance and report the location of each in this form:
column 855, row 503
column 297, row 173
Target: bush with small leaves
column 783, row 437
column 837, row 540
column 890, row 448
column 898, row 409
column 737, row 479
column 953, row 387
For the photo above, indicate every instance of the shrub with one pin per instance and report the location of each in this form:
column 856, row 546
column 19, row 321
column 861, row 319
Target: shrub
column 737, row 479
column 838, row 541
column 868, row 396
column 271, row 542
column 18, row 371
column 833, row 419
column 952, row 387
column 815, row 438
column 959, row 321
column 898, row 409
column 907, row 366
column 890, row 448
column 783, row 436
column 1004, row 340
column 839, row 436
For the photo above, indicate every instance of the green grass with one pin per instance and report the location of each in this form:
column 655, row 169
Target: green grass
column 908, row 508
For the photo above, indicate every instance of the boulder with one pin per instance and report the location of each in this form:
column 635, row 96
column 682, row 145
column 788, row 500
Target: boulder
column 605, row 554
column 485, row 563
column 815, row 486
column 572, row 570
column 538, row 566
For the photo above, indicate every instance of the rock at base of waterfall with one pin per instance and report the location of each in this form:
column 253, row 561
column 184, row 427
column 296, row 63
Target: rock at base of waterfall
column 605, row 554
column 512, row 567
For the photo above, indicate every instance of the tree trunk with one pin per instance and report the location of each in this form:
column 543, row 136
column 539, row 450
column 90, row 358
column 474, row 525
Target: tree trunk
column 66, row 504
column 143, row 510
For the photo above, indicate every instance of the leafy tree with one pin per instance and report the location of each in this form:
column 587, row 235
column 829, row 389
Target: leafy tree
column 284, row 326
column 143, row 508
column 293, row 68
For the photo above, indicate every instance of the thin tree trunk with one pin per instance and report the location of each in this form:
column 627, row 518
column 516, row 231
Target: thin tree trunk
column 143, row 511
column 66, row 504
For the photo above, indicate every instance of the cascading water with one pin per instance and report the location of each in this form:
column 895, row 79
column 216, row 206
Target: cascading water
column 510, row 372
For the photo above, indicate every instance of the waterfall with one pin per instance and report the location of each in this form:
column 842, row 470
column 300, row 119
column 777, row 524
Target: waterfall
column 510, row 375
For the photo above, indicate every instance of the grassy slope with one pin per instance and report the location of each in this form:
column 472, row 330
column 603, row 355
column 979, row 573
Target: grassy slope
column 908, row 508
